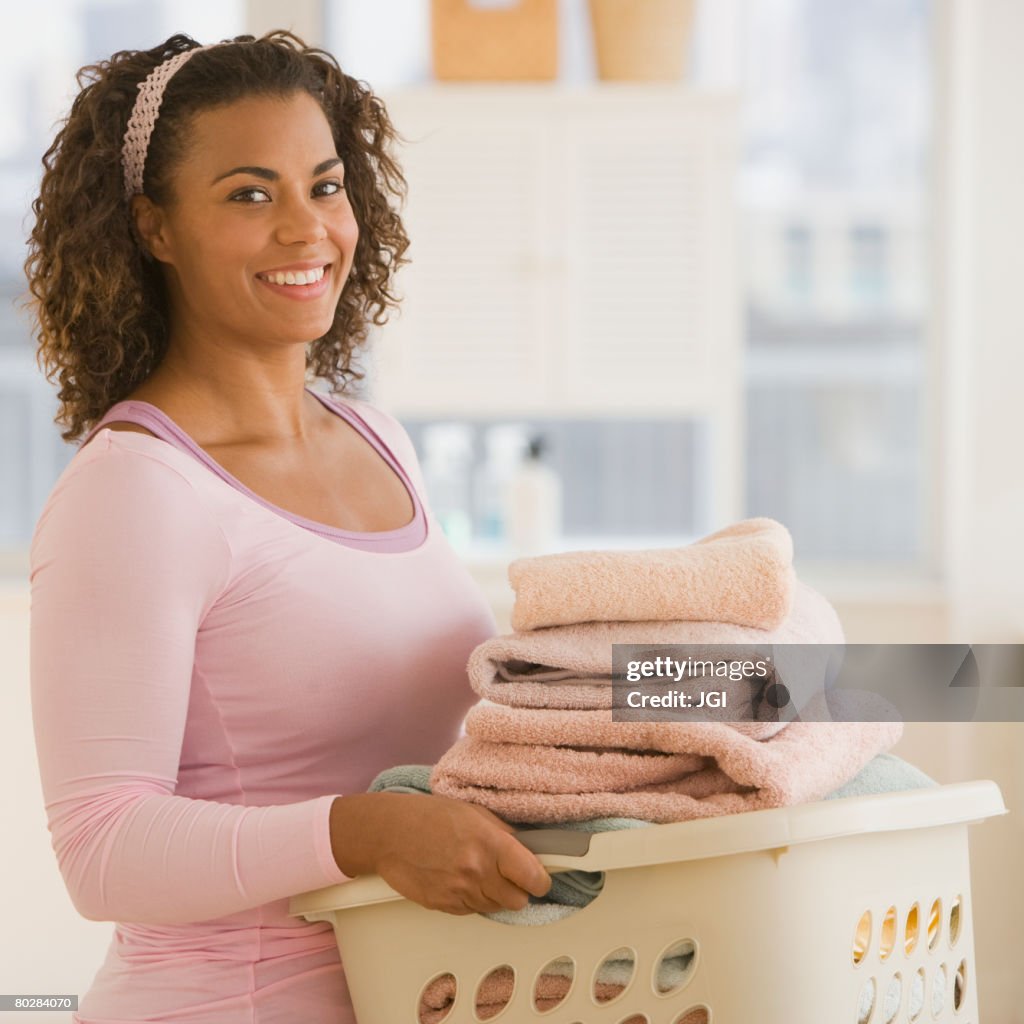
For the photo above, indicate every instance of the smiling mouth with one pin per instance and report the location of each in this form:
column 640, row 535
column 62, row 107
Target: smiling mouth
column 295, row 278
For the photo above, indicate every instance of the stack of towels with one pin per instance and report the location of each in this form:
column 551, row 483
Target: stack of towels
column 541, row 746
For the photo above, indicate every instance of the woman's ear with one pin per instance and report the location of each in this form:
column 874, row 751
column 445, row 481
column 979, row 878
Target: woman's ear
column 151, row 227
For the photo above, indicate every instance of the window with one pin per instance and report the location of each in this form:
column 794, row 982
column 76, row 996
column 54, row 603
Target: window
column 38, row 75
column 833, row 189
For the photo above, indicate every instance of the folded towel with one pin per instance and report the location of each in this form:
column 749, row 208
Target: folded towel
column 801, row 762
column 571, row 666
column 534, row 913
column 570, row 890
column 741, row 574
column 885, row 773
column 402, row 778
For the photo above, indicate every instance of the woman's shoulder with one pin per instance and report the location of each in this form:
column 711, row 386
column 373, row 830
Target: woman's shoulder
column 128, row 475
column 131, row 450
column 128, row 492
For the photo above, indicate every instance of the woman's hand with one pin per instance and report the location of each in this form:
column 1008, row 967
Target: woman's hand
column 442, row 853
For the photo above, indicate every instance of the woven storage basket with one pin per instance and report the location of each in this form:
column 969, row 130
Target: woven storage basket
column 642, row 40
column 797, row 915
column 473, row 40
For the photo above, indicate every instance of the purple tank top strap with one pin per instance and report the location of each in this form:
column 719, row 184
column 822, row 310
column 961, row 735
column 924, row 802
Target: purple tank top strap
column 141, row 414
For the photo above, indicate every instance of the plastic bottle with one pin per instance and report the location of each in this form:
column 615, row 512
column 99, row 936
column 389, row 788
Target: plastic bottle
column 448, row 448
column 505, row 445
column 535, row 504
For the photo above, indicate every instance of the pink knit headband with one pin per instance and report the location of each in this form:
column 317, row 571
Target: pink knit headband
column 144, row 115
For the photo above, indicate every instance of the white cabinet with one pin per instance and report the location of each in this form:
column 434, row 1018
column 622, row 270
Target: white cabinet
column 573, row 253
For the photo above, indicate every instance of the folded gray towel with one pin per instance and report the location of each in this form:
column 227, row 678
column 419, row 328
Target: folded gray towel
column 884, row 773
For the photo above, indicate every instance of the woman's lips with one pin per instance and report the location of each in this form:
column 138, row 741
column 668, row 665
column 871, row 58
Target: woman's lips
column 300, row 291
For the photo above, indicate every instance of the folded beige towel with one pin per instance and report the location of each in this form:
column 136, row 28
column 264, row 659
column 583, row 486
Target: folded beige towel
column 571, row 666
column 741, row 574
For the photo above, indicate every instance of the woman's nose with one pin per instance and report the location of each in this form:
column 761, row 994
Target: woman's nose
column 299, row 221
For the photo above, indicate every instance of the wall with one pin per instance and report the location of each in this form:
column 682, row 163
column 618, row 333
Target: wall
column 983, row 142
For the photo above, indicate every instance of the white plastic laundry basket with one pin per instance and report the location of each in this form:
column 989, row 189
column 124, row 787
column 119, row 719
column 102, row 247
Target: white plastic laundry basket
column 797, row 915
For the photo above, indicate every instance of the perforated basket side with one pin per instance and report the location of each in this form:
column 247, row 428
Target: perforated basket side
column 778, row 931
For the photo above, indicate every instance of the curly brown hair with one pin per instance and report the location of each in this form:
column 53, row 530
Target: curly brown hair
column 99, row 303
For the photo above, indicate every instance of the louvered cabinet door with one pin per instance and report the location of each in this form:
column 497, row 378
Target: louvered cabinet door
column 651, row 289
column 475, row 335
column 651, row 304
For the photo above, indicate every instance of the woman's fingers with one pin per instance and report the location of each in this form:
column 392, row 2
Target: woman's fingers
column 465, row 859
column 504, row 894
column 521, row 867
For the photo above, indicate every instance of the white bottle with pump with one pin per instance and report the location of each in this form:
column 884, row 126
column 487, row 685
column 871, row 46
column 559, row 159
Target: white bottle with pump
column 446, row 475
column 535, row 504
column 505, row 444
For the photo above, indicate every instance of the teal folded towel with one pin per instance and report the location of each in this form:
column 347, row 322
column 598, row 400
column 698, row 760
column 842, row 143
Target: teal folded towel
column 884, row 773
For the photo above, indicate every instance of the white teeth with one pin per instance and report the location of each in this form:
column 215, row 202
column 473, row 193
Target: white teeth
column 294, row 276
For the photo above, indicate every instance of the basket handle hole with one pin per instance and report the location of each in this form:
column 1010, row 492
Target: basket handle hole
column 695, row 1015
column 934, row 924
column 675, row 967
column 912, row 930
column 954, row 921
column 437, row 998
column 613, row 975
column 553, row 983
column 862, row 938
column 960, row 985
column 893, row 998
column 916, row 1002
column 494, row 992
column 889, row 929
column 866, row 1002
column 938, row 989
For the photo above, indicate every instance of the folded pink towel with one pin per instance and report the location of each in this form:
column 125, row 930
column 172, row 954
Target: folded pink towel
column 545, row 769
column 571, row 666
column 741, row 574
column 804, row 761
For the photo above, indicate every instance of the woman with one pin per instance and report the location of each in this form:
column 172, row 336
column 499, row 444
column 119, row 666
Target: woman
column 242, row 609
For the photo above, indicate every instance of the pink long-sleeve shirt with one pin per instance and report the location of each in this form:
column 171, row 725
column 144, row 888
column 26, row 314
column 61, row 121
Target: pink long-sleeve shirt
column 209, row 672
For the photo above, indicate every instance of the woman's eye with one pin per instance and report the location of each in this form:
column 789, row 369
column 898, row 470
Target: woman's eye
column 246, row 196
column 332, row 188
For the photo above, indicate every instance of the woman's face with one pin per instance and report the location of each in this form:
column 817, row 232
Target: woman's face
column 258, row 194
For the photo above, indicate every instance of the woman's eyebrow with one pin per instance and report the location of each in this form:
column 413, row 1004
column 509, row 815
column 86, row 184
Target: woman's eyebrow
column 326, row 165
column 269, row 175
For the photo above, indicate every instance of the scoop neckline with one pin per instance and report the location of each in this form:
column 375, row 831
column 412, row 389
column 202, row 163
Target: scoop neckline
column 324, row 529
